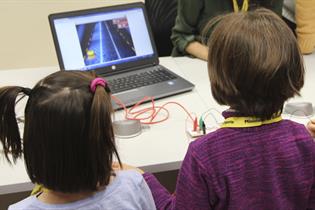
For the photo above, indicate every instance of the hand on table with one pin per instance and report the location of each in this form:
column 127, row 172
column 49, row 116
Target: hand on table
column 311, row 127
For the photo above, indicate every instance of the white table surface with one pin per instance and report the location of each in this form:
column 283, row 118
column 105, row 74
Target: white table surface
column 160, row 147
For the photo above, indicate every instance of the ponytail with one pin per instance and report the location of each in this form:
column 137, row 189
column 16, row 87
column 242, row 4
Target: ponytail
column 101, row 132
column 9, row 131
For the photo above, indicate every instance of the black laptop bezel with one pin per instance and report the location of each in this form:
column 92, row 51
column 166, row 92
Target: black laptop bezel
column 111, row 69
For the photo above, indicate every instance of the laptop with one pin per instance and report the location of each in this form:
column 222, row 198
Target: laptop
column 116, row 42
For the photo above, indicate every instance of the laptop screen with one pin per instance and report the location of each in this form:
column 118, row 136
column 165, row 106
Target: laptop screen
column 102, row 37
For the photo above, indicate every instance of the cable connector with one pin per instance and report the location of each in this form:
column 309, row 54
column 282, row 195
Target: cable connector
column 198, row 133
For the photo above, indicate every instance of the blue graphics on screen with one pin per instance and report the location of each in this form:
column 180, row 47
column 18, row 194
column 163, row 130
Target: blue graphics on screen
column 105, row 41
column 100, row 39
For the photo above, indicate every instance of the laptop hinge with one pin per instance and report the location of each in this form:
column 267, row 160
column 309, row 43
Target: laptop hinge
column 140, row 67
column 129, row 69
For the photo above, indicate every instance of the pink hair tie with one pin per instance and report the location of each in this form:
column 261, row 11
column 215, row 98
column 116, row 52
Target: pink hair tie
column 97, row 81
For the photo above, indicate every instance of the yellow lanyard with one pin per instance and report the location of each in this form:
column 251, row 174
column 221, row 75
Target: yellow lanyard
column 246, row 122
column 244, row 6
column 38, row 188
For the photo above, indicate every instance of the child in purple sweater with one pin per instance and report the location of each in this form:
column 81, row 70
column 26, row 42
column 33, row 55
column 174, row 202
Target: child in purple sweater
column 256, row 160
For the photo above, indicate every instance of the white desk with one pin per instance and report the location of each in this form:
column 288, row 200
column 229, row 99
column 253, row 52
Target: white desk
column 161, row 147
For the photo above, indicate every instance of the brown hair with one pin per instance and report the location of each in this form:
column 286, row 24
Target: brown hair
column 68, row 141
column 254, row 62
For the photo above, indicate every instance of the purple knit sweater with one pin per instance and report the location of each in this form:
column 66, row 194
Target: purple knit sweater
column 266, row 167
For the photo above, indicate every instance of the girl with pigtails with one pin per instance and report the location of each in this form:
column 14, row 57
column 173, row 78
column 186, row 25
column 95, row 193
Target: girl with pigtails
column 68, row 145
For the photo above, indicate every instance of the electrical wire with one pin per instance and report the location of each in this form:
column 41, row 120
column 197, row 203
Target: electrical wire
column 148, row 115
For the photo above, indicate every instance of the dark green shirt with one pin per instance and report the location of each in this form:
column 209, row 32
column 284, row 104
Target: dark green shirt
column 192, row 16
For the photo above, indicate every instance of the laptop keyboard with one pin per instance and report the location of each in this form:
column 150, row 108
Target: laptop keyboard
column 156, row 75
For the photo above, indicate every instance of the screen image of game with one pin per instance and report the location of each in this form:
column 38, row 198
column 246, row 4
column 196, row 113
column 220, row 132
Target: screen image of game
column 105, row 41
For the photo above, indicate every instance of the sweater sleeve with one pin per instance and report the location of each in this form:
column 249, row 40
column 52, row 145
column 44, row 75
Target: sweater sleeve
column 305, row 20
column 145, row 197
column 191, row 189
column 311, row 201
column 185, row 28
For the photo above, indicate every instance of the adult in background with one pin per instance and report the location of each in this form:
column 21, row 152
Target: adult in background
column 300, row 16
column 192, row 15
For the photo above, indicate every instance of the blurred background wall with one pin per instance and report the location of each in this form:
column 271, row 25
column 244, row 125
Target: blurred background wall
column 25, row 37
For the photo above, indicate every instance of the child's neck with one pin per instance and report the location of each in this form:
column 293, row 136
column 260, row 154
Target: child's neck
column 53, row 197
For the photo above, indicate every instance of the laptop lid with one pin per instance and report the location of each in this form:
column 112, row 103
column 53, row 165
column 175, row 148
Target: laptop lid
column 107, row 40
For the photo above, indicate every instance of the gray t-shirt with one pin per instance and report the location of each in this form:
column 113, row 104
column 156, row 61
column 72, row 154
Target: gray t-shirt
column 128, row 191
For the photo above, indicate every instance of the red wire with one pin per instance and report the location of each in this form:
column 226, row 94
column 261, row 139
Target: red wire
column 153, row 110
column 176, row 103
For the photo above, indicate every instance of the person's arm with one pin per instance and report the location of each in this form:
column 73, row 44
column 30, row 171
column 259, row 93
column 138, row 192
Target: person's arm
column 185, row 28
column 198, row 50
column 192, row 188
column 311, row 199
column 145, row 197
column 305, row 25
